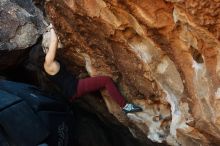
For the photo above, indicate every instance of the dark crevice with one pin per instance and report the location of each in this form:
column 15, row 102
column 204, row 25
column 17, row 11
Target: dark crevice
column 19, row 74
column 197, row 56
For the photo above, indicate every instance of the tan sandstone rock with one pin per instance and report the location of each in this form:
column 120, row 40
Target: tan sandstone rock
column 164, row 56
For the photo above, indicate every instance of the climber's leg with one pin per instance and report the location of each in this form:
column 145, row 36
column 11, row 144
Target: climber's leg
column 91, row 84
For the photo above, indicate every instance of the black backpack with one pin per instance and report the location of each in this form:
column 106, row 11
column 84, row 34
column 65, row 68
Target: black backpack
column 29, row 117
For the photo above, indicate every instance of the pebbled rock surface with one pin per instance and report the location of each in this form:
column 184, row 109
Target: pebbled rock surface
column 163, row 55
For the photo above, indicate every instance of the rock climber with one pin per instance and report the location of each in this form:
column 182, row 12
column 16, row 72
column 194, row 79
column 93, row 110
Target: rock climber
column 44, row 59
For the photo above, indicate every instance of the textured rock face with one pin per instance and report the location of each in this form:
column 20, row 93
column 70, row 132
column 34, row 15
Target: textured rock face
column 164, row 56
column 21, row 23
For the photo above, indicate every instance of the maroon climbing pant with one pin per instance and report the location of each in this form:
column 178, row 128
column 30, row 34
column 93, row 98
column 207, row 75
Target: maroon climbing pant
column 91, row 84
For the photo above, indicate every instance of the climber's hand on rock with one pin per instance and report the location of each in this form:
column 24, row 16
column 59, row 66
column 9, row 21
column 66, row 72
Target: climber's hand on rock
column 54, row 39
column 49, row 27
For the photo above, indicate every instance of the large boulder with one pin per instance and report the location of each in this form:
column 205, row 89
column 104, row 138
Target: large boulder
column 21, row 23
column 163, row 54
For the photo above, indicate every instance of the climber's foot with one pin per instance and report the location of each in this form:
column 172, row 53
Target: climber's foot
column 131, row 108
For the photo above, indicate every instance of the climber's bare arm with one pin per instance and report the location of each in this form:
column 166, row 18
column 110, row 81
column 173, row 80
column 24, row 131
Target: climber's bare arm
column 51, row 66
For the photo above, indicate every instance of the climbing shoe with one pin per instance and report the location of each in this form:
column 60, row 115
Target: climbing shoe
column 131, row 108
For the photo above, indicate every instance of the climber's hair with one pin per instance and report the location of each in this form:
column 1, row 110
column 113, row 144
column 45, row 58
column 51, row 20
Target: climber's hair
column 35, row 64
column 36, row 57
